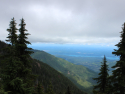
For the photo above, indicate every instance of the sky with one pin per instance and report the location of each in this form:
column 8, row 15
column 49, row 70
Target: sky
column 66, row 21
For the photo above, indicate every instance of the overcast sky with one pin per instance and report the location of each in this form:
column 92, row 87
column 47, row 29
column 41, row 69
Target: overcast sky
column 66, row 21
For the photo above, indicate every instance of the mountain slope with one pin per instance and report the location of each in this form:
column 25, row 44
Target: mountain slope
column 47, row 73
column 92, row 63
column 59, row 81
column 79, row 75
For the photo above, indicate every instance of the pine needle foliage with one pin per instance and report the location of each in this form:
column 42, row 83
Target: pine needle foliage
column 119, row 72
column 24, row 54
column 40, row 89
column 16, row 68
column 102, row 79
column 50, row 89
column 10, row 64
column 12, row 38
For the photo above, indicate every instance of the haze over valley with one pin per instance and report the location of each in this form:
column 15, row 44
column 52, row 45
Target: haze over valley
column 89, row 56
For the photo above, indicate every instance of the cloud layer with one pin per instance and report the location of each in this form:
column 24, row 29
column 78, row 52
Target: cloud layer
column 66, row 21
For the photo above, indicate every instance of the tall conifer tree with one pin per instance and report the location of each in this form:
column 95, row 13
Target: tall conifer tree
column 12, row 38
column 119, row 72
column 24, row 55
column 11, row 64
column 109, row 88
column 50, row 89
column 102, row 79
column 40, row 88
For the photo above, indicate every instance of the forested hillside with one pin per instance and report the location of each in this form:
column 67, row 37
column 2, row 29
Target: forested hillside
column 78, row 74
column 46, row 74
column 92, row 63
column 20, row 74
column 60, row 82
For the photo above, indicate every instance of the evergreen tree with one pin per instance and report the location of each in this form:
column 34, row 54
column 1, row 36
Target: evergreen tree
column 109, row 88
column 40, row 89
column 12, row 38
column 50, row 89
column 102, row 79
column 24, row 55
column 119, row 72
column 11, row 64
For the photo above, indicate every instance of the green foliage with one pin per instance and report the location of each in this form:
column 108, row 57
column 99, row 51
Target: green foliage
column 12, row 38
column 92, row 63
column 119, row 72
column 102, row 79
column 50, row 89
column 10, row 64
column 79, row 75
column 116, row 82
column 47, row 74
column 39, row 89
column 15, row 67
column 24, row 54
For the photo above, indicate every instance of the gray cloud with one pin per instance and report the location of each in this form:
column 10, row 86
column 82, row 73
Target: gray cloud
column 65, row 21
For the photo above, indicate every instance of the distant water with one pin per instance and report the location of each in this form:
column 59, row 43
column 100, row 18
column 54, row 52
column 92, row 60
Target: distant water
column 111, row 58
column 77, row 50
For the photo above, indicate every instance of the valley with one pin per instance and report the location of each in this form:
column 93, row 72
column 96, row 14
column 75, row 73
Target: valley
column 78, row 74
column 89, row 56
column 93, row 63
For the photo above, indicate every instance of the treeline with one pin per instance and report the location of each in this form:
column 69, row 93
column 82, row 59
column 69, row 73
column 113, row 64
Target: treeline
column 16, row 77
column 16, row 66
column 114, row 84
